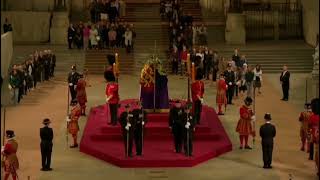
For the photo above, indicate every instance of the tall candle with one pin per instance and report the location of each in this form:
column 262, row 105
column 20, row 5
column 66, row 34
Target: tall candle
column 114, row 68
column 188, row 63
column 117, row 62
column 193, row 72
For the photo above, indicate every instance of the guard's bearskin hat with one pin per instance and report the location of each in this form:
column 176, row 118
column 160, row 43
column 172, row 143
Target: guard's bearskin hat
column 315, row 106
column 109, row 76
column 248, row 100
column 10, row 134
column 199, row 74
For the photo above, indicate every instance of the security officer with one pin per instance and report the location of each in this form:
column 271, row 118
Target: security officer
column 267, row 133
column 189, row 127
column 46, row 135
column 73, row 80
column 139, row 116
column 176, row 126
column 127, row 124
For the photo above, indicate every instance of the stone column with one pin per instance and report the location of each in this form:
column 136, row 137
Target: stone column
column 235, row 32
column 276, row 25
column 315, row 72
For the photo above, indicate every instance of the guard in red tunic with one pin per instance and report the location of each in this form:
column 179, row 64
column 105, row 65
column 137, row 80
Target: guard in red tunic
column 81, row 94
column 304, row 127
column 244, row 126
column 197, row 91
column 314, row 128
column 73, row 126
column 9, row 150
column 112, row 96
column 221, row 94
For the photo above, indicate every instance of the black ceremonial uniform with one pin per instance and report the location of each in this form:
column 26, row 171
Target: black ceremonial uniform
column 267, row 133
column 139, row 116
column 73, row 78
column 230, row 78
column 175, row 123
column 52, row 64
column 47, row 67
column 188, row 133
column 124, row 119
column 46, row 135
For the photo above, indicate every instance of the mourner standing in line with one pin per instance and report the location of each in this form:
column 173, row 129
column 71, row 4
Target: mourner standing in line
column 140, row 118
column 9, row 151
column 73, row 125
column 112, row 95
column 189, row 127
column 197, row 91
column 267, row 133
column 73, row 80
column 244, row 126
column 46, row 135
column 285, row 83
column 127, row 124
column 176, row 126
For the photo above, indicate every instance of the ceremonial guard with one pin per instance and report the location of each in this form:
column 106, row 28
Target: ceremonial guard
column 221, row 94
column 244, row 127
column 81, row 94
column 176, row 126
column 304, row 127
column 140, row 118
column 112, row 95
column 197, row 91
column 314, row 128
column 189, row 127
column 73, row 80
column 73, row 125
column 46, row 135
column 127, row 124
column 52, row 63
column 10, row 162
column 267, row 133
column 230, row 80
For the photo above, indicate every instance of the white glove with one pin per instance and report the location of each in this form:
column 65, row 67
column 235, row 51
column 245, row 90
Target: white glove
column 186, row 126
column 201, row 100
column 127, row 127
column 128, row 124
column 230, row 83
column 68, row 119
column 70, row 84
column 142, row 123
column 253, row 118
column 9, row 86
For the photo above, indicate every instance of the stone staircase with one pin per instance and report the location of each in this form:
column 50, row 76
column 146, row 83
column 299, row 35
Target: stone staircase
column 272, row 55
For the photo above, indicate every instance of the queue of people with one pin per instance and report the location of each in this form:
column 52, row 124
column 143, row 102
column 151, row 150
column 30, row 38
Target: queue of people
column 102, row 35
column 24, row 77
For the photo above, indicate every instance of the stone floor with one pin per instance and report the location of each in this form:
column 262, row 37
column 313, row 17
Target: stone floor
column 50, row 100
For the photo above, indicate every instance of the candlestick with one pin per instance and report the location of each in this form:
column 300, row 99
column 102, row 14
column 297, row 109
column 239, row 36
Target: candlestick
column 193, row 72
column 117, row 61
column 188, row 64
column 114, row 68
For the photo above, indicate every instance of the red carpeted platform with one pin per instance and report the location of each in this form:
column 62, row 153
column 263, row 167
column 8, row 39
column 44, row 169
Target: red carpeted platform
column 105, row 142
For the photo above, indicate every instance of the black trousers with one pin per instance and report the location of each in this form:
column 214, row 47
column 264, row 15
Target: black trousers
column 177, row 137
column 214, row 74
column 35, row 80
column 138, row 139
column 285, row 91
column 129, row 141
column 175, row 67
column 187, row 140
column 236, row 88
column 197, row 110
column 311, row 151
column 113, row 113
column 230, row 92
column 46, row 150
column 73, row 93
column 267, row 154
column 70, row 43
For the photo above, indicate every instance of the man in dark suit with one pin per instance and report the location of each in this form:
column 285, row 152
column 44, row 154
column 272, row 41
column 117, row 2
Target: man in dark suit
column 140, row 118
column 176, row 126
column 267, row 133
column 189, row 127
column 285, row 82
column 46, row 135
column 230, row 80
column 127, row 126
column 73, row 78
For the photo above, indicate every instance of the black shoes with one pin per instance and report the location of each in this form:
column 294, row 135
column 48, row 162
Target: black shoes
column 74, row 146
column 267, row 167
column 221, row 114
column 46, row 169
column 248, row 147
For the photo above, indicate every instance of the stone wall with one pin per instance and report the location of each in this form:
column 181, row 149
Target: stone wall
column 30, row 5
column 310, row 16
column 6, row 53
column 28, row 27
